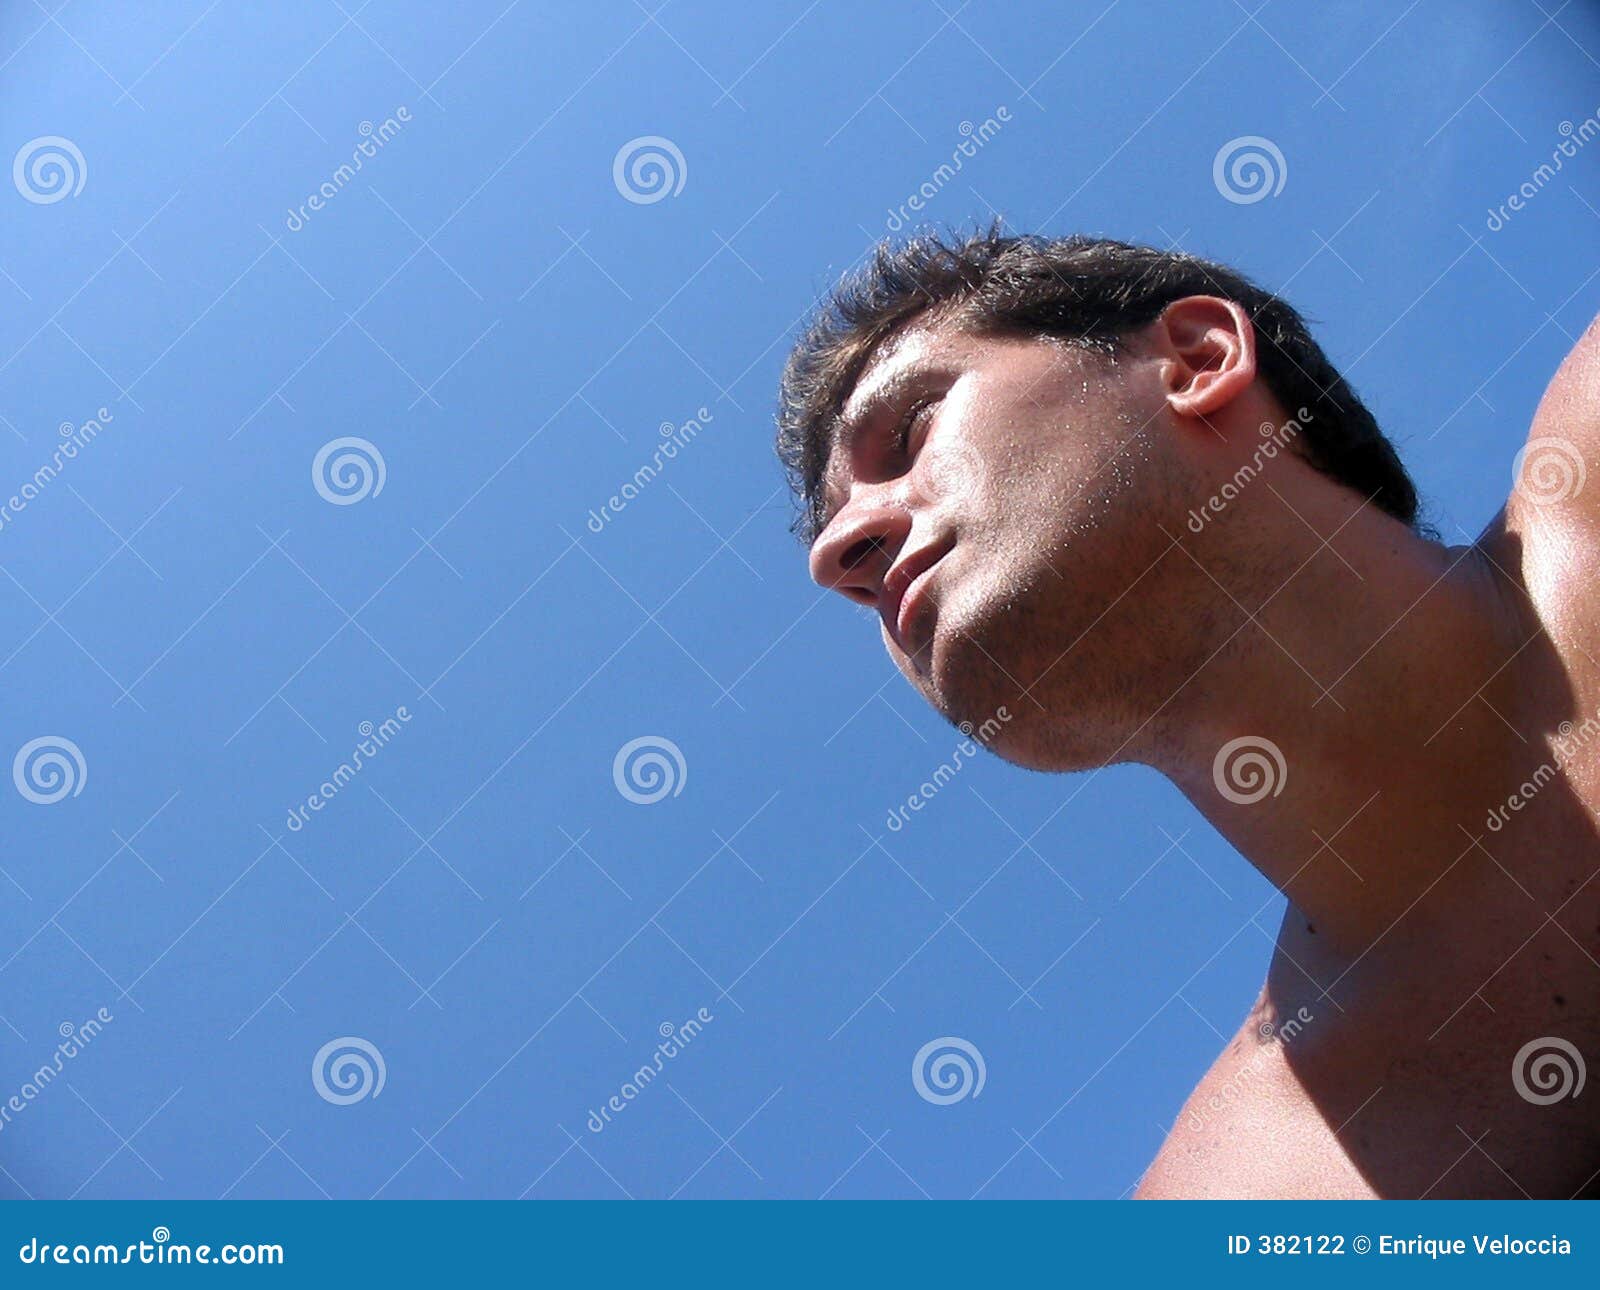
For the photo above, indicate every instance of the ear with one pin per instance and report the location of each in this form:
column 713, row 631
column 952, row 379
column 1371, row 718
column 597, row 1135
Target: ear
column 1210, row 347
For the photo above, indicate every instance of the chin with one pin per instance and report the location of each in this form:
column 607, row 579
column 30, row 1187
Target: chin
column 1053, row 747
column 974, row 666
column 978, row 686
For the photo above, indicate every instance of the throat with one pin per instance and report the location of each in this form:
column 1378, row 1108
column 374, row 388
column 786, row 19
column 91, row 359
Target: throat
column 1352, row 749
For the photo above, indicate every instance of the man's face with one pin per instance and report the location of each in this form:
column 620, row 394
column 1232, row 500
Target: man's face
column 1005, row 504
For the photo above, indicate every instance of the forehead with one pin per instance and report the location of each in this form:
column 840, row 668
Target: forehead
column 901, row 358
column 893, row 369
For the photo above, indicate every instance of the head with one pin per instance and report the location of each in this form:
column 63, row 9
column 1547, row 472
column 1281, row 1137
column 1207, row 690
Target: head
column 1000, row 444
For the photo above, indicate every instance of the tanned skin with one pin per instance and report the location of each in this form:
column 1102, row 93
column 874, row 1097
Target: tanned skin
column 1043, row 495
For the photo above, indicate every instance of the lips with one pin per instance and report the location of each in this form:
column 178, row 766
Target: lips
column 905, row 591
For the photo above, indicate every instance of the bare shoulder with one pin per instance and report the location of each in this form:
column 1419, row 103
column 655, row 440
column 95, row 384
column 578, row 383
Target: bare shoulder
column 1546, row 541
column 1250, row 1131
column 1314, row 1099
column 1558, row 472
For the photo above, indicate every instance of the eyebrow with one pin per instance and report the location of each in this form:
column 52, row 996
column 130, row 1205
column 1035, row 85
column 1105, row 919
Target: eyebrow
column 889, row 391
column 848, row 426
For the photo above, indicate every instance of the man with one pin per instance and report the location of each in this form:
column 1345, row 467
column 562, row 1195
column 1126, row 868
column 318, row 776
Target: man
column 1124, row 495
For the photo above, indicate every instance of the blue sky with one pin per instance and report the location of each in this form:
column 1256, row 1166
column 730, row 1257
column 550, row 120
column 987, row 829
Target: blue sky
column 494, row 316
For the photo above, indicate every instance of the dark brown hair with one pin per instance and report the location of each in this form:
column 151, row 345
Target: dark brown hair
column 1087, row 291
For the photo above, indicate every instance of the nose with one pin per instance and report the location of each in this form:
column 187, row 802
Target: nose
column 855, row 551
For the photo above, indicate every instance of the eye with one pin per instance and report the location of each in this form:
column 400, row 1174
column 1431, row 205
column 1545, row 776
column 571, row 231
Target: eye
column 909, row 424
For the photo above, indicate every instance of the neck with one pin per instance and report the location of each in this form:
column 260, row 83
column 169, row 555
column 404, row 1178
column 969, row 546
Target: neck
column 1369, row 705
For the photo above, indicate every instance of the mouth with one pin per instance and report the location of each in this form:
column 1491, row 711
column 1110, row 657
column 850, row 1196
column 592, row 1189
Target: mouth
column 906, row 599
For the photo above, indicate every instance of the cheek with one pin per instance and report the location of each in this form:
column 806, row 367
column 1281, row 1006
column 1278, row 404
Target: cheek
column 1000, row 467
column 953, row 473
column 972, row 450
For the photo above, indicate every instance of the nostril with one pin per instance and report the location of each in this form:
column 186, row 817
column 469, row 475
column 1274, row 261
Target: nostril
column 861, row 551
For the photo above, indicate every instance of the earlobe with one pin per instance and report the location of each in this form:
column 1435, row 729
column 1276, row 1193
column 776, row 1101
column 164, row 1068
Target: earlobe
column 1212, row 347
